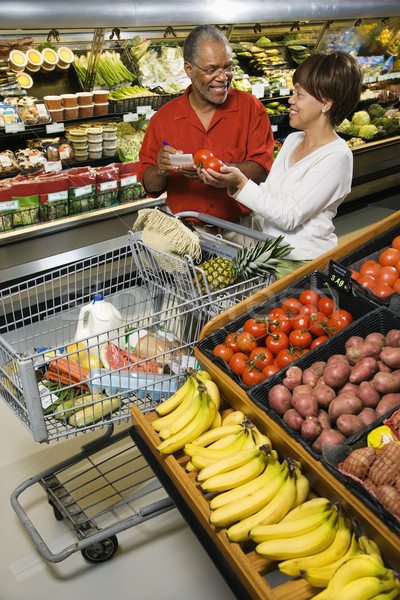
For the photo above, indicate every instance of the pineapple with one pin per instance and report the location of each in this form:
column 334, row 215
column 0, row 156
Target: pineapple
column 261, row 260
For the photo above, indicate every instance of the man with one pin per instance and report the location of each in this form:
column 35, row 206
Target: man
column 232, row 124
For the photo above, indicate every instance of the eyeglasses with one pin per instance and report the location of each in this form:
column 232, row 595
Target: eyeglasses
column 211, row 71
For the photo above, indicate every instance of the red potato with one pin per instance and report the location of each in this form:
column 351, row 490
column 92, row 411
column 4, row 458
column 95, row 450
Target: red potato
column 349, row 424
column 335, row 358
column 324, row 418
column 376, row 338
column 364, row 370
column 348, row 387
column 313, row 373
column 331, row 437
column 303, row 389
column 292, row 419
column 280, row 399
column 337, row 374
column 293, row 377
column 387, row 403
column 367, row 416
column 305, row 405
column 387, row 383
column 324, row 394
column 382, row 367
column 310, row 428
column 357, row 353
column 345, row 404
column 393, row 338
column 368, row 394
column 390, row 357
column 354, row 340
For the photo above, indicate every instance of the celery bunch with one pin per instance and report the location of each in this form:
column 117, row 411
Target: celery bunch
column 110, row 71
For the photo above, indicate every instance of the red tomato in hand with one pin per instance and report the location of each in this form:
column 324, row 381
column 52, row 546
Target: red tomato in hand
column 261, row 357
column 251, row 376
column 202, row 156
column 246, row 342
column 326, row 305
column 213, row 163
column 291, row 306
column 309, row 297
column 258, row 328
column 231, row 341
column 300, row 338
column 238, row 362
column 277, row 341
column 223, row 352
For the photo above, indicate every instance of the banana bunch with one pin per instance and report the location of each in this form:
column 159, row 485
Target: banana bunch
column 362, row 577
column 188, row 413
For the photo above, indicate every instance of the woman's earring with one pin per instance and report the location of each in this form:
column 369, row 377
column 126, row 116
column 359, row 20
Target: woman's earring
column 323, row 111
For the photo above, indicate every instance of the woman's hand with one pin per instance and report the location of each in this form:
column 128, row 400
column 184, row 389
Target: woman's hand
column 229, row 177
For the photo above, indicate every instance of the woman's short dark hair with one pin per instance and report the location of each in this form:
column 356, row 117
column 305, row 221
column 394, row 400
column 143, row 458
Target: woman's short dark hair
column 196, row 36
column 335, row 76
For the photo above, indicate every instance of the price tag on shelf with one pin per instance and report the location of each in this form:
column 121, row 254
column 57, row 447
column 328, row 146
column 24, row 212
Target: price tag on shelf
column 144, row 110
column 339, row 276
column 9, row 205
column 53, row 166
column 258, row 90
column 14, row 127
column 55, row 128
column 284, row 92
column 274, row 128
column 129, row 117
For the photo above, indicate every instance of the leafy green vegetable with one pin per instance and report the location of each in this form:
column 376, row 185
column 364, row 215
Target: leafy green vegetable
column 361, row 117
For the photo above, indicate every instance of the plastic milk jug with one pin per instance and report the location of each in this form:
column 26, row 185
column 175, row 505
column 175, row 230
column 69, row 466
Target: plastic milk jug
column 96, row 318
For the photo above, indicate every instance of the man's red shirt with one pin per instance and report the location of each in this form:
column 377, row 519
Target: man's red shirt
column 239, row 130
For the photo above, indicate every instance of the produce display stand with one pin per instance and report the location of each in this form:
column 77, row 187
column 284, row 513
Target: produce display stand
column 249, row 575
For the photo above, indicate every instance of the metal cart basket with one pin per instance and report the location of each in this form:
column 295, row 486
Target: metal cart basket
column 184, row 278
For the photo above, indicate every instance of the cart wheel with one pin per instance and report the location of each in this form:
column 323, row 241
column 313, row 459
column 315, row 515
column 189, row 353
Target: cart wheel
column 57, row 513
column 101, row 551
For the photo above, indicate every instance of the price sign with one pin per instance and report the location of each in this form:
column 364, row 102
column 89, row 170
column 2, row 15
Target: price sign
column 274, row 128
column 339, row 276
column 55, row 128
column 129, row 117
column 258, row 90
column 14, row 127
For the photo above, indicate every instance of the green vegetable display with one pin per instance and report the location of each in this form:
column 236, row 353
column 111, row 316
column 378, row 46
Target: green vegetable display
column 367, row 132
column 361, row 117
column 110, row 71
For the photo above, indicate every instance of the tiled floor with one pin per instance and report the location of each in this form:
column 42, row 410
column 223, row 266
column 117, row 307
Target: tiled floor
column 160, row 558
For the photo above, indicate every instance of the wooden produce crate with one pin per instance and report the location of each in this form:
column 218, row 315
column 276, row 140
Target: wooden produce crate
column 248, row 574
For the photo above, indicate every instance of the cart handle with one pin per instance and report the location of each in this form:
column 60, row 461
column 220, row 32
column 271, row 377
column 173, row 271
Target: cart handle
column 210, row 220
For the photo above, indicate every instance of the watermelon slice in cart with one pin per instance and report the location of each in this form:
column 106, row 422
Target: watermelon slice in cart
column 113, row 358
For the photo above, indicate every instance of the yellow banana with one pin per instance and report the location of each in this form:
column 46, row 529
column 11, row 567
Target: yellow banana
column 211, row 388
column 207, row 456
column 235, row 477
column 166, row 420
column 370, row 547
column 354, row 569
column 259, row 438
column 271, row 472
column 200, row 423
column 302, row 487
column 307, row 508
column 235, row 417
column 223, row 442
column 247, row 505
column 173, row 401
column 189, row 467
column 280, row 530
column 321, row 576
column 365, row 588
column 217, row 421
column 213, row 435
column 183, row 419
column 392, row 595
column 330, row 555
column 228, row 463
column 203, row 374
column 311, row 542
column 271, row 513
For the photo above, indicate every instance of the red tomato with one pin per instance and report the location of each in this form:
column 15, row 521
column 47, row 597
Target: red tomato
column 336, row 325
column 238, row 362
column 326, row 305
column 251, row 376
column 389, row 256
column 213, row 163
column 300, row 338
column 309, row 297
column 355, row 274
column 370, row 267
column 300, row 322
column 318, row 324
column 201, row 156
column 396, row 286
column 280, row 324
column 261, row 357
column 277, row 341
column 383, row 289
column 398, row 265
column 246, row 342
column 276, row 312
column 270, row 370
column 388, row 275
column 258, row 328
column 319, row 340
column 396, row 242
column 223, row 352
column 291, row 306
column 340, row 313
column 367, row 281
column 287, row 356
column 231, row 341
column 309, row 309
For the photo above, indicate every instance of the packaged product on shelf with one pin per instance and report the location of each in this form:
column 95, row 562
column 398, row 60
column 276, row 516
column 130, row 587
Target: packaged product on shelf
column 30, row 160
column 53, row 190
column 8, row 164
column 129, row 187
column 6, row 223
column 24, row 201
column 107, row 185
column 82, row 190
column 8, row 114
column 30, row 110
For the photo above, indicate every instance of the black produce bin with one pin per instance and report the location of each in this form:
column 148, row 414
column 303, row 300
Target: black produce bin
column 317, row 281
column 371, row 251
column 380, row 319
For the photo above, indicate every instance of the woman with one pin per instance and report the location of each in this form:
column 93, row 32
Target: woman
column 312, row 173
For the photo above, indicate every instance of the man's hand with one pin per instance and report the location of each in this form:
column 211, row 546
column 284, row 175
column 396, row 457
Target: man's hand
column 163, row 160
column 229, row 177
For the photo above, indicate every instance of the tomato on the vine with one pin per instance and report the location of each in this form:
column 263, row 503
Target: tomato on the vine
column 308, row 309
column 246, row 342
column 287, row 356
column 223, row 352
column 336, row 325
column 319, row 340
column 309, row 297
column 291, row 306
column 270, row 370
column 300, row 322
column 275, row 313
column 300, row 338
column 251, row 376
column 277, row 341
column 213, row 163
column 231, row 341
column 238, row 362
column 318, row 324
column 342, row 314
column 326, row 305
column 280, row 324
column 261, row 357
column 258, row 328
column 202, row 156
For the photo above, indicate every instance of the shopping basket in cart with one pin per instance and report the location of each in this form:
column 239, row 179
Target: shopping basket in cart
column 183, row 277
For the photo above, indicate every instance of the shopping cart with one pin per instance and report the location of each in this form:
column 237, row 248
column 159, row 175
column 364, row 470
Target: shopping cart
column 184, row 278
column 107, row 487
